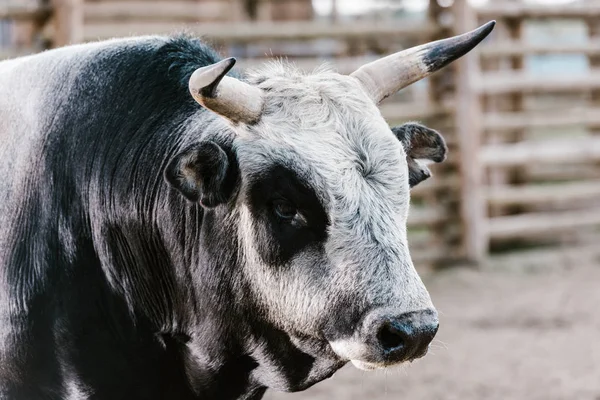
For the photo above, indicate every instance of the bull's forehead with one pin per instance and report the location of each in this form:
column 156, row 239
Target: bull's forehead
column 324, row 127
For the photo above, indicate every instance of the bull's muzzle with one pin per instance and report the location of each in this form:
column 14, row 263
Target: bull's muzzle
column 385, row 338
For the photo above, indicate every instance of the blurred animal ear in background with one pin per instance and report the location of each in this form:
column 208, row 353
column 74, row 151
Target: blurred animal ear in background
column 202, row 173
column 420, row 143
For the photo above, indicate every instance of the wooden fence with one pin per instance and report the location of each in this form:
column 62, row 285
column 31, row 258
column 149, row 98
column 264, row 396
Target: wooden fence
column 524, row 164
column 537, row 130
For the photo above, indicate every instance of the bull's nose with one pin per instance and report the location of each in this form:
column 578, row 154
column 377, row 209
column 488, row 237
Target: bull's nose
column 407, row 336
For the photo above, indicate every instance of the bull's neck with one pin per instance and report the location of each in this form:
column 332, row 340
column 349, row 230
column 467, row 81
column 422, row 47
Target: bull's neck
column 208, row 335
column 223, row 376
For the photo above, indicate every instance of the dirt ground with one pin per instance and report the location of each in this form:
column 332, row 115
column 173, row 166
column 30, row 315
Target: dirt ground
column 503, row 335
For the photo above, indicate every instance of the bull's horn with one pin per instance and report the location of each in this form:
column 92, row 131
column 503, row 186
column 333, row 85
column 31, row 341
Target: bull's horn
column 229, row 97
column 384, row 77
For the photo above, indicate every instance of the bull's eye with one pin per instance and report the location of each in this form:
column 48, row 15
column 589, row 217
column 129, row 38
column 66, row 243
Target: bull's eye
column 288, row 212
column 284, row 209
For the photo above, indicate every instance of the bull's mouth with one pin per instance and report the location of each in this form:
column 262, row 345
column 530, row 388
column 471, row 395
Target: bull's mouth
column 366, row 358
column 367, row 366
column 370, row 366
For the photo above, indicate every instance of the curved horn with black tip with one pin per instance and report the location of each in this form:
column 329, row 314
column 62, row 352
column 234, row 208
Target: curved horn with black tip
column 384, row 77
column 229, row 97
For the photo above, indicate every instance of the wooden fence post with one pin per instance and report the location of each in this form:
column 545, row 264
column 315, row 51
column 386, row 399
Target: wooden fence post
column 440, row 90
column 469, row 129
column 68, row 22
column 517, row 176
column 593, row 26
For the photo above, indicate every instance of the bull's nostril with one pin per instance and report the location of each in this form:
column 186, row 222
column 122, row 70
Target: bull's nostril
column 390, row 338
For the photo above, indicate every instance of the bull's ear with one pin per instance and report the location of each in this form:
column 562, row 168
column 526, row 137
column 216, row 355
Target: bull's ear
column 420, row 143
column 202, row 172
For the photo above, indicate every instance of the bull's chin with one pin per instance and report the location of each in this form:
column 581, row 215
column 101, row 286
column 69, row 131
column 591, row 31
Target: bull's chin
column 367, row 366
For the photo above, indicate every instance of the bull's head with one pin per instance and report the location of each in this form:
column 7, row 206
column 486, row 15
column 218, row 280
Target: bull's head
column 315, row 187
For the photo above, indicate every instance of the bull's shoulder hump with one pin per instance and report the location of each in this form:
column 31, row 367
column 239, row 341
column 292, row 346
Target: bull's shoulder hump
column 55, row 63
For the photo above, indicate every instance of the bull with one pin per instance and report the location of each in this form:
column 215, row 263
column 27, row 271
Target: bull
column 173, row 230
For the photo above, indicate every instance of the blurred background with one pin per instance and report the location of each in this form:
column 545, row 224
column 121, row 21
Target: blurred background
column 506, row 232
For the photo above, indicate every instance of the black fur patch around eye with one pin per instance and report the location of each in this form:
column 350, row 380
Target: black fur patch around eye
column 279, row 240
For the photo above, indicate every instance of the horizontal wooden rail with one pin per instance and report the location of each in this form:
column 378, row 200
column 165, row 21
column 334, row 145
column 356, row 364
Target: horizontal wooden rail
column 536, row 224
column 503, row 83
column 248, row 32
column 425, row 249
column 555, row 195
column 160, row 10
column 434, row 183
column 504, row 9
column 556, row 257
column 573, row 171
column 13, row 53
column 419, row 239
column 551, row 151
column 503, row 121
column 20, row 11
column 432, row 255
column 425, row 216
column 396, row 111
column 517, row 48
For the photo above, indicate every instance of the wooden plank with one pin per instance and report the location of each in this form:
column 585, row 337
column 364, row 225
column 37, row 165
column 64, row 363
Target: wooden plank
column 68, row 22
column 161, row 10
column 23, row 11
column 14, row 53
column 535, row 224
column 503, row 83
column 492, row 104
column 435, row 183
column 433, row 255
column 554, row 258
column 515, row 30
column 468, row 130
column 248, row 32
column 513, row 9
column 419, row 239
column 413, row 111
column 518, row 48
column 437, row 94
column 503, row 121
column 593, row 26
column 554, row 195
column 549, row 173
column 421, row 216
column 582, row 150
